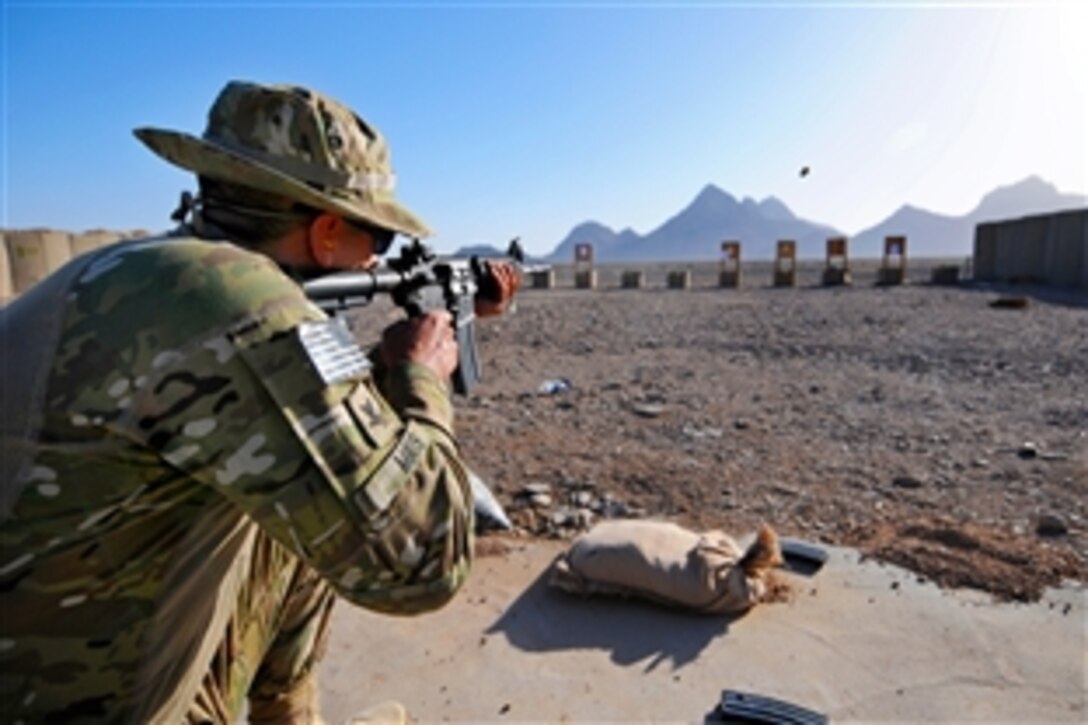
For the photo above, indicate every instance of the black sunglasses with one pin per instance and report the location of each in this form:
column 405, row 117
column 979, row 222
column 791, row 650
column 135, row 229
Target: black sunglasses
column 383, row 238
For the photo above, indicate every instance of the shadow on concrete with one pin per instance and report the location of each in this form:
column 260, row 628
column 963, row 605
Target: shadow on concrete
column 546, row 619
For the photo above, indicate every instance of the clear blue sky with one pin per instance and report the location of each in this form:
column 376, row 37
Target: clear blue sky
column 527, row 118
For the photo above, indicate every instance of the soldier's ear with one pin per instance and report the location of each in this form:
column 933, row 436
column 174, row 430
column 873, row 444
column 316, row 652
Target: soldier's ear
column 322, row 236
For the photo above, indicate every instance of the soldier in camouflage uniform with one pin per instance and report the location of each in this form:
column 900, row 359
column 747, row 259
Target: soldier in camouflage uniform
column 183, row 492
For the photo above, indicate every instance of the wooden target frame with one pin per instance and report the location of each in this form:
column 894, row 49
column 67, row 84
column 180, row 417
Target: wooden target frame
column 785, row 263
column 893, row 266
column 729, row 267
column 837, row 264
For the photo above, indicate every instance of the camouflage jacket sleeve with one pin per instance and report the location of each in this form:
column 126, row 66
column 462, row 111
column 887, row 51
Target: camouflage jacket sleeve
column 378, row 503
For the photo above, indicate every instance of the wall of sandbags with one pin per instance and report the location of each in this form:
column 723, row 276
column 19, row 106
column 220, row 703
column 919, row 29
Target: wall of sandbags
column 28, row 256
column 6, row 291
column 1049, row 249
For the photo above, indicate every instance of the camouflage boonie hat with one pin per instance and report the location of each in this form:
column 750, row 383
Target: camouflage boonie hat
column 296, row 143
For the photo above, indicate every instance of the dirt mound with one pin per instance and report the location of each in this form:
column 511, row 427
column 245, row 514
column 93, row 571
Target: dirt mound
column 952, row 554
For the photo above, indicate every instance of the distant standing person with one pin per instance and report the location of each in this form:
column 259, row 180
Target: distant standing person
column 182, row 491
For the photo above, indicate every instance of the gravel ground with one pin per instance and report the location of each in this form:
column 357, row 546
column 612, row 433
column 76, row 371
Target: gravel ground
column 917, row 423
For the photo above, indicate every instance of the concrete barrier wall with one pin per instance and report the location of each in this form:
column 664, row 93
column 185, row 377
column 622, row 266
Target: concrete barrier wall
column 1084, row 251
column 984, row 263
column 1021, row 249
column 35, row 254
column 1050, row 249
column 1066, row 250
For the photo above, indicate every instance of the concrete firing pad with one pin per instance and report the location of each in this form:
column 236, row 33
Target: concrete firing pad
column 858, row 641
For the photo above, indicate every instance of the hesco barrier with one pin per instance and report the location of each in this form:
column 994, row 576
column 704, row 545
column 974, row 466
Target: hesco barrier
column 89, row 241
column 34, row 255
column 30, row 255
column 6, row 290
column 1050, row 249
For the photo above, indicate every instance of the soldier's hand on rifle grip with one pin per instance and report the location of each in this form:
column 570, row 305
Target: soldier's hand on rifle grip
column 427, row 340
column 497, row 289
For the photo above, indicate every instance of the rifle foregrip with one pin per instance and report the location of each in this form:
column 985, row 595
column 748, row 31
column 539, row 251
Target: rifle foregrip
column 487, row 286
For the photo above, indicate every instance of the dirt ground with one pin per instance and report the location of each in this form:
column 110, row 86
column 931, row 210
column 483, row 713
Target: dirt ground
column 917, row 423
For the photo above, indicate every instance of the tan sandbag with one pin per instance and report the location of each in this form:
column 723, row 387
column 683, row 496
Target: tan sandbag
column 7, row 291
column 666, row 563
column 35, row 254
column 91, row 240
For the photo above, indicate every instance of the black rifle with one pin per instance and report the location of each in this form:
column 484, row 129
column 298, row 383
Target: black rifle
column 420, row 281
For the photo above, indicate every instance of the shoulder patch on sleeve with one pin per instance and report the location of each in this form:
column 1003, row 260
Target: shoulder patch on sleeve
column 332, row 350
column 375, row 418
column 394, row 472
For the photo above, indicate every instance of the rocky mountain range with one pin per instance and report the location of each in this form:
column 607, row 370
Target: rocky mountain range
column 696, row 232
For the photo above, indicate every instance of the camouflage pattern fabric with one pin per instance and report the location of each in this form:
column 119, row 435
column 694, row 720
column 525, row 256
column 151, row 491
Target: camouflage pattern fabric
column 179, row 409
column 274, row 638
column 295, row 143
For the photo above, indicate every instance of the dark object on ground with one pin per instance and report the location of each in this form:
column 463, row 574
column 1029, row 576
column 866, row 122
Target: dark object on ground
column 908, row 482
column 1010, row 303
column 802, row 557
column 746, row 707
column 1028, row 451
column 1050, row 525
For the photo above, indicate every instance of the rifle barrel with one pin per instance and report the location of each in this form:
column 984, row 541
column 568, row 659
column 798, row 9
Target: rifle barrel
column 349, row 285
